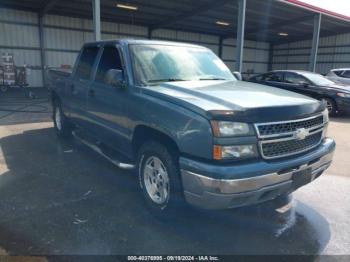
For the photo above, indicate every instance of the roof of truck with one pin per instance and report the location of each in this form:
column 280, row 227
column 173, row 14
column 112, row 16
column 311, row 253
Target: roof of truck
column 140, row 41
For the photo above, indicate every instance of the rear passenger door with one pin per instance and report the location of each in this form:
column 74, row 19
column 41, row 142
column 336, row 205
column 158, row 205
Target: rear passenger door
column 79, row 86
column 107, row 104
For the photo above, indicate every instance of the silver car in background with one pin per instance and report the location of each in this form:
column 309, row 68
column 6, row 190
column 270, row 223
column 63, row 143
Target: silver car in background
column 341, row 75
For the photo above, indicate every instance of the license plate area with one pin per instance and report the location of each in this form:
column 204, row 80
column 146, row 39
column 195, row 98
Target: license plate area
column 302, row 177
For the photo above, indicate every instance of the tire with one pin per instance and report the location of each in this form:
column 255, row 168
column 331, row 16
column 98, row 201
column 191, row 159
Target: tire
column 159, row 178
column 61, row 125
column 331, row 106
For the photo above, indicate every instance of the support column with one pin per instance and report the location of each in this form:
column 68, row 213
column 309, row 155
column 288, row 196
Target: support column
column 240, row 34
column 41, row 46
column 315, row 41
column 96, row 19
column 221, row 39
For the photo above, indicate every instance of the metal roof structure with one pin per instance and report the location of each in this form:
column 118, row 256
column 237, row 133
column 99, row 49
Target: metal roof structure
column 264, row 20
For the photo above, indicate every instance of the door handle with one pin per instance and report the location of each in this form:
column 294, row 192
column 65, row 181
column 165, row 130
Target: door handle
column 91, row 93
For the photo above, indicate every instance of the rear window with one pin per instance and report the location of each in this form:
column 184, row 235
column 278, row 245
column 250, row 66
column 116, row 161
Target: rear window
column 86, row 62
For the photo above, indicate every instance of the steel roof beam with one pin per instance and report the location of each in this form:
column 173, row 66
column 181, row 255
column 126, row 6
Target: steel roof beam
column 48, row 6
column 188, row 14
column 282, row 24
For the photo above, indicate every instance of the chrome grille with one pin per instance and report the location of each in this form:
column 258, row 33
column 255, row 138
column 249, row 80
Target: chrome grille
column 278, row 149
column 281, row 139
column 287, row 127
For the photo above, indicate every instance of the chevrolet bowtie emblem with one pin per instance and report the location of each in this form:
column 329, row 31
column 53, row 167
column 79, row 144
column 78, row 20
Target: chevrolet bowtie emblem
column 301, row 133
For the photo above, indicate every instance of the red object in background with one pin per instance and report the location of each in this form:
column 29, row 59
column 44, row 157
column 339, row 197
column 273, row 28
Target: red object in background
column 66, row 66
column 318, row 9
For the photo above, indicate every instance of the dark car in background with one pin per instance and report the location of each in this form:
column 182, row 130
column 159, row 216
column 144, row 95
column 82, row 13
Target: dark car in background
column 337, row 96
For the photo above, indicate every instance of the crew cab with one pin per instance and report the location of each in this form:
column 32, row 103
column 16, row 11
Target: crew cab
column 192, row 132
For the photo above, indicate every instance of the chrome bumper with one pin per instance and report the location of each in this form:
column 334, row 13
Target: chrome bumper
column 214, row 193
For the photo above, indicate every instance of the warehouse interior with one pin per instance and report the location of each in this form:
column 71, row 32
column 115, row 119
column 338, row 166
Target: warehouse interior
column 273, row 34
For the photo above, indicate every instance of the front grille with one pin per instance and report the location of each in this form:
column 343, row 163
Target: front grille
column 281, row 139
column 289, row 147
column 287, row 127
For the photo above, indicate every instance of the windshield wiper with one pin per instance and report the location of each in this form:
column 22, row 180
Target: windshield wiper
column 165, row 80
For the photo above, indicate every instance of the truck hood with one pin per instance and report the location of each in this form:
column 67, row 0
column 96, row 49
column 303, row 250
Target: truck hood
column 241, row 99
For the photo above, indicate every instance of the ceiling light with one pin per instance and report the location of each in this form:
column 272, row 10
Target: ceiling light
column 129, row 7
column 283, row 34
column 222, row 23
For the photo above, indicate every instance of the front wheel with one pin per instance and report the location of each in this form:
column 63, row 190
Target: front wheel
column 331, row 105
column 159, row 177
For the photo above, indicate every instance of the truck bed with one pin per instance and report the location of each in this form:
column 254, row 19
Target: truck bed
column 54, row 74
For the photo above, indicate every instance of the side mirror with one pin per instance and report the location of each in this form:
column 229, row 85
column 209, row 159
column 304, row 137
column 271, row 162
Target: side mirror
column 237, row 75
column 115, row 77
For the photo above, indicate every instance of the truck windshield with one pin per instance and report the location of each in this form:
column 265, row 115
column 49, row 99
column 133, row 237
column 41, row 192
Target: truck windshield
column 153, row 64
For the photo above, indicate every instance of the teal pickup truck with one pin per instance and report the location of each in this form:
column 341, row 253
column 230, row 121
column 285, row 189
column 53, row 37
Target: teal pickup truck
column 192, row 132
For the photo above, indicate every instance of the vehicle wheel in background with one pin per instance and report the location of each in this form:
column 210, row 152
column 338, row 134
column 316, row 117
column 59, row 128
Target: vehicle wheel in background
column 331, row 106
column 3, row 89
column 159, row 177
column 61, row 124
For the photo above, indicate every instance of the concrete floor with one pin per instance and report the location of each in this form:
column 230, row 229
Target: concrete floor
column 58, row 197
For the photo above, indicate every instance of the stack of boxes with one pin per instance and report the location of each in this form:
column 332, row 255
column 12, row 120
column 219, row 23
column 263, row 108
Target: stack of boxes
column 9, row 73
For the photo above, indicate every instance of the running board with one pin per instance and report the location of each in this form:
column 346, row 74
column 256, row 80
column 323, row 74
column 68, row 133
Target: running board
column 98, row 150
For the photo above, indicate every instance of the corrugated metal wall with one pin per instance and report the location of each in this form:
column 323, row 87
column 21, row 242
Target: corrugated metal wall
column 333, row 52
column 22, row 40
column 255, row 55
column 63, row 37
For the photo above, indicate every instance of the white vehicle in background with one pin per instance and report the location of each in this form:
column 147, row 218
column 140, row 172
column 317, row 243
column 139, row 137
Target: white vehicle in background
column 341, row 75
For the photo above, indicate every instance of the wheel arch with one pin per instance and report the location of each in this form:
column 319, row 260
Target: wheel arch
column 143, row 133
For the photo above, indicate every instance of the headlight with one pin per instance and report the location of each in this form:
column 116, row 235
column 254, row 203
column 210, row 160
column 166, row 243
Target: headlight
column 344, row 95
column 234, row 152
column 227, row 129
column 325, row 122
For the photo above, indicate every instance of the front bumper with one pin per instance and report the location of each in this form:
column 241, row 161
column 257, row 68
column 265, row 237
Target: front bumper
column 212, row 186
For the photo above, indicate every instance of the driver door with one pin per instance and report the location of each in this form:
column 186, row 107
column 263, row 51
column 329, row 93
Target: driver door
column 107, row 104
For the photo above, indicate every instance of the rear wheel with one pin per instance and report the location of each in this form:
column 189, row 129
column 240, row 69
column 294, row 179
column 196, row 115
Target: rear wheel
column 61, row 124
column 331, row 105
column 159, row 177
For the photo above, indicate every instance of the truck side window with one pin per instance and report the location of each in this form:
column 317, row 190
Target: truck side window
column 110, row 59
column 86, row 62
